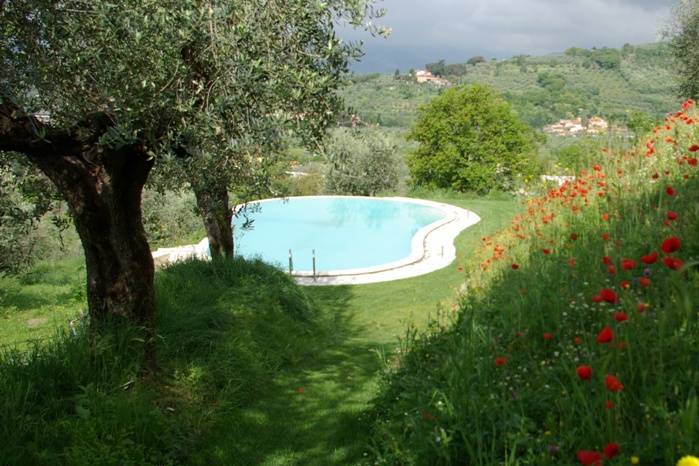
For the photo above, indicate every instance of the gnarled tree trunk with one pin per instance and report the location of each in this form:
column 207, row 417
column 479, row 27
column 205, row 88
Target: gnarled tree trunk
column 103, row 190
column 212, row 202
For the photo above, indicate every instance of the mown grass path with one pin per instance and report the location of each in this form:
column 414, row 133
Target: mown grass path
column 312, row 413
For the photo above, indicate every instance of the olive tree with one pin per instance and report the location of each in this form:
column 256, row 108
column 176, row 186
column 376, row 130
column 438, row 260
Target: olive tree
column 294, row 65
column 683, row 33
column 128, row 84
column 362, row 162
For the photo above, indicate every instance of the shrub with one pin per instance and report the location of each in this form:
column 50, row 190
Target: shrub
column 470, row 140
column 362, row 162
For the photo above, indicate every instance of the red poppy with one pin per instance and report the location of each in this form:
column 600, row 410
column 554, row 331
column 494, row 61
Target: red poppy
column 649, row 259
column 501, row 361
column 608, row 404
column 670, row 245
column 606, row 335
column 670, row 191
column 515, row 266
column 692, row 161
column 611, row 270
column 613, row 384
column 628, row 264
column 596, row 168
column 625, row 284
column 621, row 317
column 577, row 340
column 641, row 307
column 644, row 282
column 671, row 215
column 572, row 262
column 584, row 372
column 611, row 450
column 694, row 148
column 655, row 176
column 589, row 458
column 605, row 217
column 673, row 263
column 607, row 260
column 300, row 390
column 605, row 236
column 548, row 336
column 546, row 251
column 573, row 236
column 609, row 295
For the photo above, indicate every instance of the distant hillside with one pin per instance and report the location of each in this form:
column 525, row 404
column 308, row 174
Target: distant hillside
column 608, row 82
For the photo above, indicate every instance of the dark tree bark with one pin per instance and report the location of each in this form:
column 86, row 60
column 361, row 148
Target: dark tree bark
column 212, row 202
column 103, row 190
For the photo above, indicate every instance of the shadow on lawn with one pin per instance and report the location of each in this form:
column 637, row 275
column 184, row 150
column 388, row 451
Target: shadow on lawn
column 311, row 412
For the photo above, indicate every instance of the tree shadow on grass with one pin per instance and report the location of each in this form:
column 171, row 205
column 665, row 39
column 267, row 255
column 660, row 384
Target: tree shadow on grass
column 311, row 412
column 281, row 379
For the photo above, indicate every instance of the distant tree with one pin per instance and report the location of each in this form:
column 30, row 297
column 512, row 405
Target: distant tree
column 639, row 123
column 396, row 74
column 470, row 139
column 606, row 58
column 438, row 68
column 457, row 69
column 552, row 82
column 683, row 33
column 476, row 60
column 362, row 162
column 25, row 196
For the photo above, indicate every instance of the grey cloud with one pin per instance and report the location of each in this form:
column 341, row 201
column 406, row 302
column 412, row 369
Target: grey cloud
column 501, row 28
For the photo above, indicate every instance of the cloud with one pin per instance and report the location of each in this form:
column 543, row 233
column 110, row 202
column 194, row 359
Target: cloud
column 502, row 28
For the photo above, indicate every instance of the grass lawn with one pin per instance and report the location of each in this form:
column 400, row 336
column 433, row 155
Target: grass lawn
column 311, row 411
column 323, row 424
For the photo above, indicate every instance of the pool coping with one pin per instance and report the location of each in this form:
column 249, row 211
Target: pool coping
column 432, row 248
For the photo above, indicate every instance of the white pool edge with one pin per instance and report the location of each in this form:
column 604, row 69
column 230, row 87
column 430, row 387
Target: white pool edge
column 432, row 248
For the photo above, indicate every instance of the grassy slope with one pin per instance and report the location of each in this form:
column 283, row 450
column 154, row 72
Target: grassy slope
column 34, row 304
column 252, row 417
column 524, row 330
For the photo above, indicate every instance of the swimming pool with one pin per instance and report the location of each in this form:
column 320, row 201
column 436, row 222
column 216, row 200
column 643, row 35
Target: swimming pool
column 348, row 234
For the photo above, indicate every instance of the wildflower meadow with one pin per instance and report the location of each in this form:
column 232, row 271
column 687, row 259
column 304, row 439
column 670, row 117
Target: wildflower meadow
column 577, row 339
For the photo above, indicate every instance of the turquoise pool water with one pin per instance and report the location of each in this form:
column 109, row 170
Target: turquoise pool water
column 346, row 232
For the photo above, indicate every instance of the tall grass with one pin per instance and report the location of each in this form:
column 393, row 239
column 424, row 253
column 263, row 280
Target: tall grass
column 501, row 385
column 225, row 330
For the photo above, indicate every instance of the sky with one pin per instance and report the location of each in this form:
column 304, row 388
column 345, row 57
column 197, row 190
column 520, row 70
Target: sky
column 425, row 31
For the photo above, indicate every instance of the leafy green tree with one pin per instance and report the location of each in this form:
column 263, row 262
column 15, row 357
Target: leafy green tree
column 362, row 162
column 25, row 196
column 684, row 37
column 457, row 69
column 552, row 82
column 438, row 68
column 606, row 58
column 470, row 140
column 476, row 60
column 131, row 83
